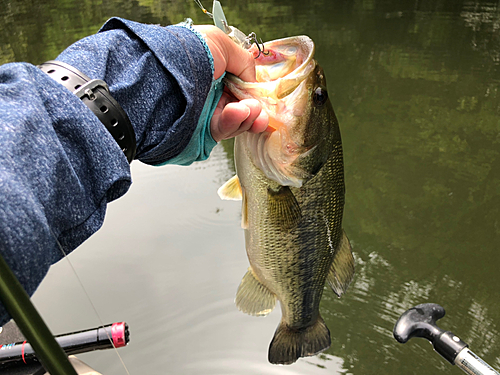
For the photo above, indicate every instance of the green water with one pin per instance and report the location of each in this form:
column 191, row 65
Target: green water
column 415, row 85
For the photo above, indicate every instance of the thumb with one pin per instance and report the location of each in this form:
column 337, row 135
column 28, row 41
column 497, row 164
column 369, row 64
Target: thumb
column 227, row 55
column 240, row 62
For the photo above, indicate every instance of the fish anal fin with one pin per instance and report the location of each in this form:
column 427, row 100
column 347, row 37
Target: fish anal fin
column 290, row 344
column 231, row 190
column 342, row 269
column 284, row 207
column 253, row 297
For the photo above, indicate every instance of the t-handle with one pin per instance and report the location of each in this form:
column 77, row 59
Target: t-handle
column 420, row 321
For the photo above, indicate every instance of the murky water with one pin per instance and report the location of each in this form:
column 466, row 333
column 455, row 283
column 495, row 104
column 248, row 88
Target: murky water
column 415, row 85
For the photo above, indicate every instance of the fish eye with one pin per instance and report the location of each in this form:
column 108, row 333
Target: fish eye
column 320, row 96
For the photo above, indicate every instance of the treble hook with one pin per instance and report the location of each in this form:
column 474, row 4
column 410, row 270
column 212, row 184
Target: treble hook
column 252, row 38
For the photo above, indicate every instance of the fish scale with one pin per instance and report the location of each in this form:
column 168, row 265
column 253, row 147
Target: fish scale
column 291, row 182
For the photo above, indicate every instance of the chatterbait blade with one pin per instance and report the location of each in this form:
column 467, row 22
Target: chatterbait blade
column 219, row 17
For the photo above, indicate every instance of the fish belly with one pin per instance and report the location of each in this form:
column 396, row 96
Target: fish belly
column 295, row 244
column 292, row 260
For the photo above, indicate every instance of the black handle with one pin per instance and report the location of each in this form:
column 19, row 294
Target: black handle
column 420, row 321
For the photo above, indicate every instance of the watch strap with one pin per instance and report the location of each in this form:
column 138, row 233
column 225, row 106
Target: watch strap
column 95, row 94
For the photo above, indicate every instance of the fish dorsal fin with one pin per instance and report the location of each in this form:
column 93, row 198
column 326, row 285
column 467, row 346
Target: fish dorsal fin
column 342, row 269
column 284, row 207
column 231, row 190
column 253, row 297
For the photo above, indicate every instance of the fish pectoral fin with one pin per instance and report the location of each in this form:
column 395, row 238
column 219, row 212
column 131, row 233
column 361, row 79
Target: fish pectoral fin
column 231, row 190
column 342, row 269
column 253, row 297
column 284, row 207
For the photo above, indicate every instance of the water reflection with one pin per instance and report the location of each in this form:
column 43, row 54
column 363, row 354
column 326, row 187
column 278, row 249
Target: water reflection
column 415, row 85
column 419, row 112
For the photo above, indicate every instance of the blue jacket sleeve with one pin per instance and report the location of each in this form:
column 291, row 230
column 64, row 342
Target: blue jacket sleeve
column 59, row 167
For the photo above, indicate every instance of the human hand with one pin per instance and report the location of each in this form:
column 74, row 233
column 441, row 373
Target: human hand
column 232, row 117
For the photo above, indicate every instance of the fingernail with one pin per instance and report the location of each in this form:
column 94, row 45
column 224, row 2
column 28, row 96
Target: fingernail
column 248, row 114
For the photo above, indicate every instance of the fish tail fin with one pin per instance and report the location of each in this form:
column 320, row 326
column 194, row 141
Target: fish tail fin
column 290, row 344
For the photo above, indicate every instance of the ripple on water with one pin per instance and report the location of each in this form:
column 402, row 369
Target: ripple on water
column 250, row 363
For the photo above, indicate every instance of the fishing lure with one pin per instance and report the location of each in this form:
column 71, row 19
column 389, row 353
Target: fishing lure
column 239, row 37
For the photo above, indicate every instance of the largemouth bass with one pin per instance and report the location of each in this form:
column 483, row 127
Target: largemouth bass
column 291, row 182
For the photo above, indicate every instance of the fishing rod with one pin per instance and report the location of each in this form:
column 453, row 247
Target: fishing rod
column 420, row 321
column 110, row 336
column 18, row 305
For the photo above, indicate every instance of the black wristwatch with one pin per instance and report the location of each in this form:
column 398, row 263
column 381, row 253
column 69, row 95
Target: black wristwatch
column 95, row 95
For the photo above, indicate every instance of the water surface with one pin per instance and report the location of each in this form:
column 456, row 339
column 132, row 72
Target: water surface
column 415, row 85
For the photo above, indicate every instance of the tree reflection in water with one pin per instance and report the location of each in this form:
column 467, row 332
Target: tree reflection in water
column 415, row 85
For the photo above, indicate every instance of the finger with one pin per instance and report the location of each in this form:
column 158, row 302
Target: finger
column 240, row 62
column 228, row 56
column 255, row 113
column 214, row 41
column 232, row 117
column 232, row 120
column 260, row 124
column 226, row 97
column 227, row 118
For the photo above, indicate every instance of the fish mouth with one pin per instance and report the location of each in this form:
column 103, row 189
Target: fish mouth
column 288, row 63
column 282, row 72
column 280, row 69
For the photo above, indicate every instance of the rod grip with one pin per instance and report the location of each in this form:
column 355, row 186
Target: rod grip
column 112, row 335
